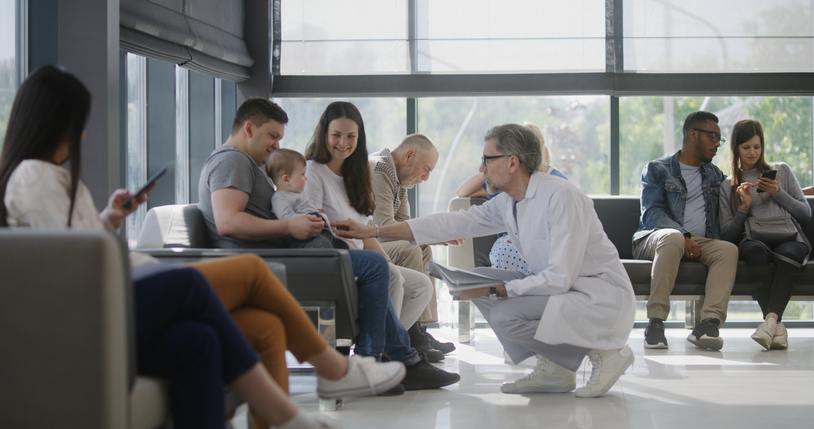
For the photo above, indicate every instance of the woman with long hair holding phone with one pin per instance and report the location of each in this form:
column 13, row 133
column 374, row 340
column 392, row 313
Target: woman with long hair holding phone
column 757, row 189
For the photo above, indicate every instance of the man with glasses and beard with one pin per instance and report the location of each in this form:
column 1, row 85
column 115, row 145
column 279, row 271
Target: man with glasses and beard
column 679, row 220
column 576, row 302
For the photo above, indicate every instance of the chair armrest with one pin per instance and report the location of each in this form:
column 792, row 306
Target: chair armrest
column 175, row 225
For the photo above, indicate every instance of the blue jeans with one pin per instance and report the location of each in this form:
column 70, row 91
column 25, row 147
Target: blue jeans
column 379, row 328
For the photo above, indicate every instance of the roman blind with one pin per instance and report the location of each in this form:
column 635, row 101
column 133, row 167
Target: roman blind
column 201, row 35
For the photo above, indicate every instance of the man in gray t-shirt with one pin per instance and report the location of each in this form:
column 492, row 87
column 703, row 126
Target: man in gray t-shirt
column 234, row 192
column 229, row 167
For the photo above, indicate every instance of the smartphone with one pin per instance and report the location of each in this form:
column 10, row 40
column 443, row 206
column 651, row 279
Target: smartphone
column 129, row 201
column 769, row 174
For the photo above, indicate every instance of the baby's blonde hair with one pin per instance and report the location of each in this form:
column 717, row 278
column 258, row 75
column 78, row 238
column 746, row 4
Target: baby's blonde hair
column 283, row 161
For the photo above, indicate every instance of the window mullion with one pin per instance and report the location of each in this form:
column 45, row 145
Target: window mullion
column 181, row 135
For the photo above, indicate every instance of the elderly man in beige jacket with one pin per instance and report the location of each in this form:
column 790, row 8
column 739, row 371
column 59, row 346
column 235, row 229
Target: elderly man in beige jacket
column 409, row 164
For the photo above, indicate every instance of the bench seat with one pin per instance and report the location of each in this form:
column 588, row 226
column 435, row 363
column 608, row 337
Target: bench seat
column 620, row 218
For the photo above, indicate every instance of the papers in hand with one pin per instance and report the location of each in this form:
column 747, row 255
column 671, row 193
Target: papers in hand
column 457, row 279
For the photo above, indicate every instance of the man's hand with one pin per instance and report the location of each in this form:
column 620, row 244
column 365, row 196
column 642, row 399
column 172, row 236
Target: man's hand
column 305, row 227
column 352, row 229
column 691, row 249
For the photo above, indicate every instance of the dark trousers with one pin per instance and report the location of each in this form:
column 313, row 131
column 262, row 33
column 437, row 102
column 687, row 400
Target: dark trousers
column 184, row 333
column 774, row 293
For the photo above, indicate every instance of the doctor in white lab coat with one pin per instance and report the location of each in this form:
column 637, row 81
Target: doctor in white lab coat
column 578, row 302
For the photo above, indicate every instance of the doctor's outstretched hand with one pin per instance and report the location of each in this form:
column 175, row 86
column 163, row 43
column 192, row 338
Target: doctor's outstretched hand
column 352, row 229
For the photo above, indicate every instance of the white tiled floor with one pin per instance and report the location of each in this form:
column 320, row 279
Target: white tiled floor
column 683, row 387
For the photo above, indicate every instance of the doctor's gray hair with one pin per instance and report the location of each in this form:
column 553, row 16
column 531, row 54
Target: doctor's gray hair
column 520, row 141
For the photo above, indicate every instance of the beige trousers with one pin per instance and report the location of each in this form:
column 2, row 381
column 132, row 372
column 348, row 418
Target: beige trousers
column 665, row 247
column 403, row 254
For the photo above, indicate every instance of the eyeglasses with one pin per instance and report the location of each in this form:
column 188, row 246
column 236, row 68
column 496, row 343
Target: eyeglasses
column 485, row 158
column 715, row 137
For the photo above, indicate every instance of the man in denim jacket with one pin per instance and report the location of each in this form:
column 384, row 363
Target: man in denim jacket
column 680, row 220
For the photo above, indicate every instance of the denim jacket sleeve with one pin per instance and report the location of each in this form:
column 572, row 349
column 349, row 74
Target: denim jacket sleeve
column 656, row 210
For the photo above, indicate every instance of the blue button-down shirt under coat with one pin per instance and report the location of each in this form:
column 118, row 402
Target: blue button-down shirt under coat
column 664, row 197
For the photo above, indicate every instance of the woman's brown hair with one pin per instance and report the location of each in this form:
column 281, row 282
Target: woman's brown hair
column 355, row 169
column 744, row 131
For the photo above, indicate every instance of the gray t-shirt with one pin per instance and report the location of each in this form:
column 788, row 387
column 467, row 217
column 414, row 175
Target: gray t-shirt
column 230, row 167
column 695, row 215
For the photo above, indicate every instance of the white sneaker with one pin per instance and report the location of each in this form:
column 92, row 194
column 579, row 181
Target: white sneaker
column 765, row 332
column 365, row 377
column 547, row 377
column 608, row 366
column 780, row 340
column 304, row 421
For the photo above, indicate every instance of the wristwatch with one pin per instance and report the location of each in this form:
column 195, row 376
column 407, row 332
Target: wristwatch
column 493, row 293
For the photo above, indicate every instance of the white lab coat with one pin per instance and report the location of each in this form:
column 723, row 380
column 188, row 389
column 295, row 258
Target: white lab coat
column 557, row 232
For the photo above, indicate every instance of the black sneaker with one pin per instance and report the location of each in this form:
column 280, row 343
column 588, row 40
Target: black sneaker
column 444, row 348
column 395, row 391
column 423, row 375
column 654, row 335
column 706, row 335
column 420, row 344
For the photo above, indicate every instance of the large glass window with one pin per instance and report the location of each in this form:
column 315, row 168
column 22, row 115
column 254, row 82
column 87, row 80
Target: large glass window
column 575, row 128
column 175, row 118
column 8, row 61
column 330, row 37
column 456, row 36
column 733, row 36
column 651, row 127
column 136, row 137
column 465, row 36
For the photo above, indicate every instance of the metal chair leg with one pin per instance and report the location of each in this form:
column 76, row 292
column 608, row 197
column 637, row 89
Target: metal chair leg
column 465, row 321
